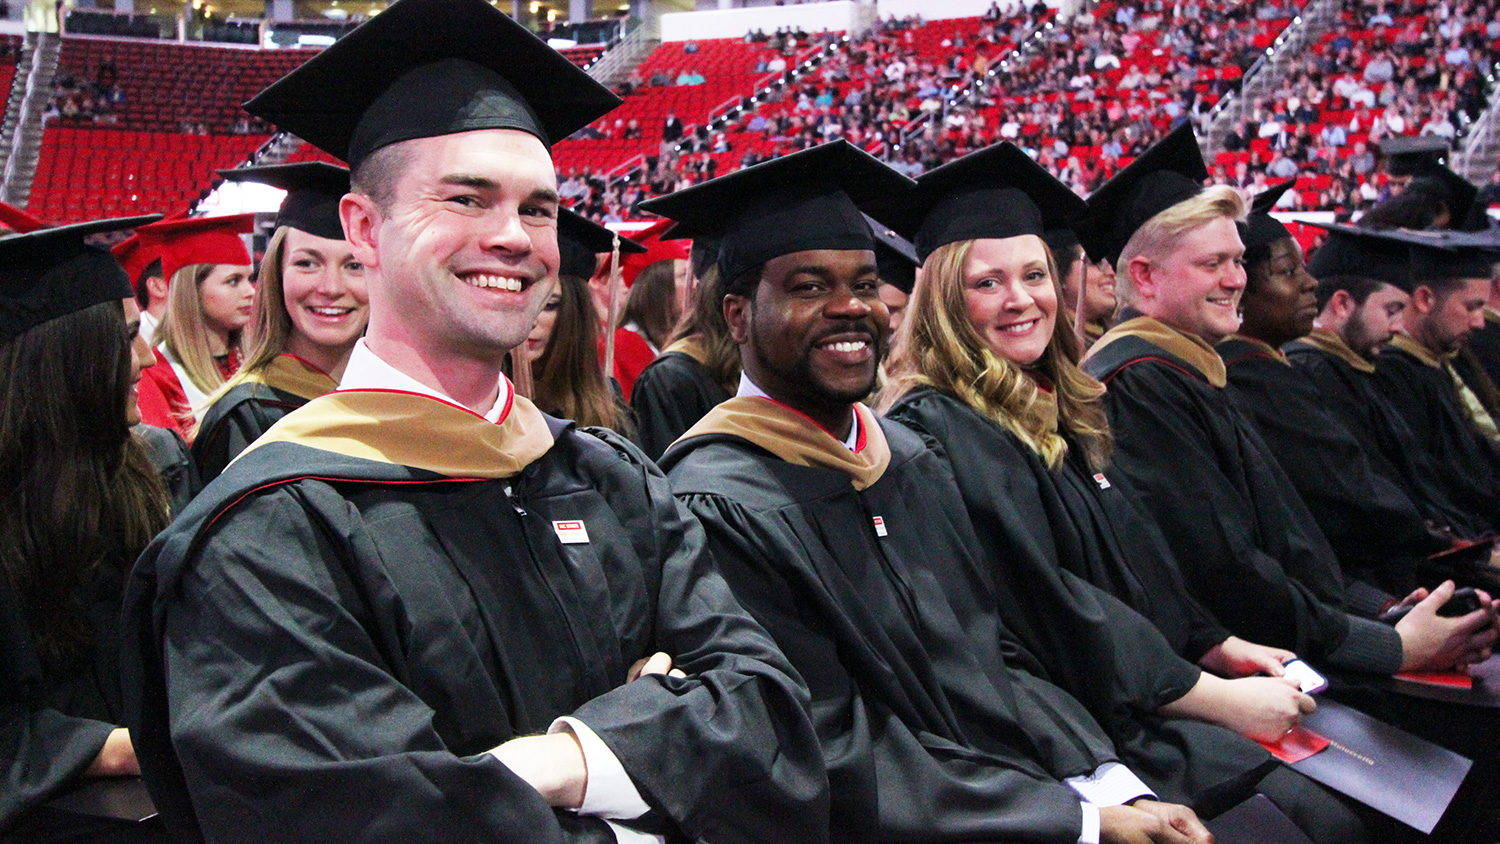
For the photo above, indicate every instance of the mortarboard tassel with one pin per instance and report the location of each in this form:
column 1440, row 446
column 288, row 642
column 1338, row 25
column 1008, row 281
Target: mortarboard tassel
column 616, row 276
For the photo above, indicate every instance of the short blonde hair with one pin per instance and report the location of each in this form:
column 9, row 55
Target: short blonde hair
column 1161, row 233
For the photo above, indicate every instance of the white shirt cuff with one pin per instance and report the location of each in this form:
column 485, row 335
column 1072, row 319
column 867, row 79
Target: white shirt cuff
column 1111, row 785
column 609, row 792
column 626, row 835
column 1090, row 834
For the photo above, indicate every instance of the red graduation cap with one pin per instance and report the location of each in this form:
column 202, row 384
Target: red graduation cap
column 200, row 240
column 133, row 257
column 656, row 250
column 17, row 220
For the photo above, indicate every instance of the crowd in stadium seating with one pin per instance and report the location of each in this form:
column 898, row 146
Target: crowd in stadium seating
column 1397, row 69
column 1103, row 86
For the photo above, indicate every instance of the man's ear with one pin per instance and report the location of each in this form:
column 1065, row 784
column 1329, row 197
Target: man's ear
column 1340, row 305
column 1141, row 277
column 157, row 287
column 1424, row 299
column 361, row 218
column 737, row 315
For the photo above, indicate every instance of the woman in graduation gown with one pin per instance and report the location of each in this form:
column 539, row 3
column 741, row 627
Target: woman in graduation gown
column 70, row 524
column 210, row 300
column 310, row 309
column 566, row 378
column 698, row 370
column 979, row 368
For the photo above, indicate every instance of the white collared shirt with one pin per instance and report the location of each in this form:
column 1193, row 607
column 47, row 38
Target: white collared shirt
column 366, row 371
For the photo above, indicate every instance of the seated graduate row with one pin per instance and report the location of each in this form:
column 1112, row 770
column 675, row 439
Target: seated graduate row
column 418, row 608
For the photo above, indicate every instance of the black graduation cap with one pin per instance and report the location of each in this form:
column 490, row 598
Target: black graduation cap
column 1260, row 229
column 1164, row 175
column 807, row 200
column 1457, row 194
column 1443, row 255
column 581, row 241
column 895, row 258
column 1060, row 238
column 1406, row 154
column 31, row 290
column 996, row 192
column 424, row 68
column 313, row 190
column 1366, row 253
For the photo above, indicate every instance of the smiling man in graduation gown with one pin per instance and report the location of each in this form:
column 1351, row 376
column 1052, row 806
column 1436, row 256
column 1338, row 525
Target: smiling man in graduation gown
column 419, row 609
column 1377, row 532
column 1250, row 550
column 1363, row 288
column 846, row 537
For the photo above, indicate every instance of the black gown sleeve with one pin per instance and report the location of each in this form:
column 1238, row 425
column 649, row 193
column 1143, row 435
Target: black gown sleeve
column 1204, row 481
column 43, row 749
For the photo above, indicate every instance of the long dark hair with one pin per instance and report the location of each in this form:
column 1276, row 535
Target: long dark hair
column 704, row 323
column 568, row 380
column 652, row 305
column 79, row 499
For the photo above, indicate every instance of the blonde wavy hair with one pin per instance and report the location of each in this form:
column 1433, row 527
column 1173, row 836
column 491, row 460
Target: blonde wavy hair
column 1160, row 234
column 937, row 347
column 184, row 331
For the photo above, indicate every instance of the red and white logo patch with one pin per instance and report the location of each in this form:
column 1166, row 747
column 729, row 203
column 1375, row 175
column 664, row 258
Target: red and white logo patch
column 1102, row 481
column 879, row 526
column 571, row 533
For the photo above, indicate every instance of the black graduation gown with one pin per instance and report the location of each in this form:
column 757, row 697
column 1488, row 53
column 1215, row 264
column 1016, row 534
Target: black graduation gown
column 326, row 647
column 1066, row 587
column 1425, row 397
column 1248, row 548
column 1088, row 532
column 53, row 723
column 1375, row 529
column 236, row 420
column 672, row 394
column 170, row 455
column 1354, row 398
column 937, row 723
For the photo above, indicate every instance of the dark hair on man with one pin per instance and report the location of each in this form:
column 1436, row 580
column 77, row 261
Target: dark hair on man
column 1442, row 287
column 79, row 498
column 1410, row 209
column 377, row 175
column 652, row 305
column 1358, row 287
column 142, row 290
column 745, row 283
